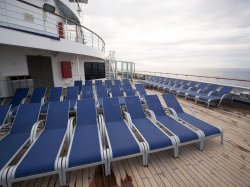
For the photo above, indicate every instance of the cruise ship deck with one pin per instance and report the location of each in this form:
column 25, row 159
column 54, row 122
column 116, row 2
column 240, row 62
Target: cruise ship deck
column 216, row 165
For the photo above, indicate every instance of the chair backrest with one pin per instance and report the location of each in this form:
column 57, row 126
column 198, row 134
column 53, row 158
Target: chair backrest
column 154, row 104
column 134, row 107
column 26, row 116
column 117, row 82
column 98, row 82
column 128, row 89
column 20, row 94
column 79, row 84
column 108, row 83
column 55, row 94
column 58, row 115
column 87, row 92
column 115, row 90
column 212, row 87
column 112, row 110
column 201, row 86
column 172, row 102
column 140, row 89
column 101, row 91
column 86, row 112
column 192, row 84
column 37, row 95
column 88, row 82
column 224, row 90
column 72, row 93
column 4, row 110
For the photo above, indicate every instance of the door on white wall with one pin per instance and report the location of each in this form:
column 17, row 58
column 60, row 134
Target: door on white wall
column 40, row 70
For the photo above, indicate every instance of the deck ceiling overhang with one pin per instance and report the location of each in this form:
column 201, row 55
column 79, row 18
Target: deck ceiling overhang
column 67, row 11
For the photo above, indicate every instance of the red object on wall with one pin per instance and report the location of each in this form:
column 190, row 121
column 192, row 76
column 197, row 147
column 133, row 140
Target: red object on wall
column 60, row 27
column 66, row 69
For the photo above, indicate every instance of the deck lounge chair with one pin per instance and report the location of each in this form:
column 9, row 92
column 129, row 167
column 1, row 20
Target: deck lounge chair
column 42, row 158
column 101, row 92
column 116, row 92
column 19, row 135
column 87, row 92
column 121, row 141
column 154, row 138
column 182, row 134
column 208, row 91
column 165, row 83
column 117, row 82
column 72, row 96
column 18, row 98
column 55, row 95
column 192, row 92
column 79, row 84
column 38, row 95
column 128, row 90
column 4, row 111
column 208, row 130
column 140, row 89
column 216, row 97
column 171, row 84
column 183, row 88
column 86, row 148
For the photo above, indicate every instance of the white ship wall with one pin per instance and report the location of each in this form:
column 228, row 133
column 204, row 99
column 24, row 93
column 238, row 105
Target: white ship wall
column 14, row 63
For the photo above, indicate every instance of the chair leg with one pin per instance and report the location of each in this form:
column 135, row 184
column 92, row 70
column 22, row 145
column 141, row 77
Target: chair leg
column 62, row 179
column 202, row 145
column 176, row 151
column 107, row 168
column 145, row 159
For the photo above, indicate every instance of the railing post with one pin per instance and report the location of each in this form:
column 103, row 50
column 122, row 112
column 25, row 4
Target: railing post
column 92, row 39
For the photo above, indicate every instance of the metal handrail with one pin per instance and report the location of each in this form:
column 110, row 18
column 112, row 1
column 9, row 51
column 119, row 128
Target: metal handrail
column 237, row 83
column 46, row 23
column 190, row 75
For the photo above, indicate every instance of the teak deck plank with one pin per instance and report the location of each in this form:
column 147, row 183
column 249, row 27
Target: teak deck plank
column 216, row 165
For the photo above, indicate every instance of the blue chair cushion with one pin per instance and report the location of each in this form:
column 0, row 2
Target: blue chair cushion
column 121, row 139
column 85, row 146
column 202, row 125
column 154, row 136
column 41, row 157
column 183, row 133
column 10, row 145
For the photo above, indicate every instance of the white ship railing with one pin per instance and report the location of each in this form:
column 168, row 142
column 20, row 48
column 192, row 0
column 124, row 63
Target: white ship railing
column 25, row 16
column 237, row 83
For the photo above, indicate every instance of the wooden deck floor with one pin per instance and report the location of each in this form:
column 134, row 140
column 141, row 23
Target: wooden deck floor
column 216, row 165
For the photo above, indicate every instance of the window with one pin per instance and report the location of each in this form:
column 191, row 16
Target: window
column 94, row 70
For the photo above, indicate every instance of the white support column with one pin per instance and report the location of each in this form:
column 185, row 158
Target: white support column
column 78, row 67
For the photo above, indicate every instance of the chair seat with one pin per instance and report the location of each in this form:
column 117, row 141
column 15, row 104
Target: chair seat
column 41, row 157
column 10, row 145
column 85, row 146
column 155, row 138
column 202, row 125
column 121, row 139
column 206, row 98
column 183, row 133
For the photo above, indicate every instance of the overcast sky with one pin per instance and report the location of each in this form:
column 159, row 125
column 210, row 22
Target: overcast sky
column 174, row 33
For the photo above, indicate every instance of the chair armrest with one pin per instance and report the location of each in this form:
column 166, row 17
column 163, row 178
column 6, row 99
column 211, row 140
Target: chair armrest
column 150, row 114
column 211, row 93
column 70, row 128
column 190, row 88
column 34, row 130
column 79, row 97
column 128, row 118
column 199, row 91
column 174, row 114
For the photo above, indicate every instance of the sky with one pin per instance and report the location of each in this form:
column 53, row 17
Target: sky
column 161, row 34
